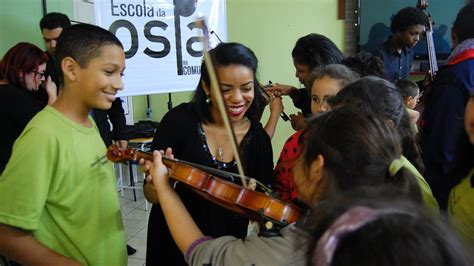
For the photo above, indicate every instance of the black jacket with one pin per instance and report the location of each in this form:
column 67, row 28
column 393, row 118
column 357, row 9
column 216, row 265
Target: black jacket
column 117, row 118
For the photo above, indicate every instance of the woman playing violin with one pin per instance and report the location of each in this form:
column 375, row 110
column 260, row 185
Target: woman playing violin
column 196, row 133
column 332, row 161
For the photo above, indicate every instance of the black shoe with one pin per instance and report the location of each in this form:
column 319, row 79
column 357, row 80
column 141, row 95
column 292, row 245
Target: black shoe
column 130, row 250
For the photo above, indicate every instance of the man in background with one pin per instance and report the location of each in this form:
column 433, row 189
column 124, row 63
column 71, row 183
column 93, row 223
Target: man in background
column 51, row 27
column 397, row 51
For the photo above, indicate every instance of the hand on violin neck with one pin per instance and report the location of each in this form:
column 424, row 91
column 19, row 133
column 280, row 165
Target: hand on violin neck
column 156, row 171
column 279, row 90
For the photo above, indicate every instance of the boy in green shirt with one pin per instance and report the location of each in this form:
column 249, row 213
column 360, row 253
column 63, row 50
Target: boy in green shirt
column 59, row 202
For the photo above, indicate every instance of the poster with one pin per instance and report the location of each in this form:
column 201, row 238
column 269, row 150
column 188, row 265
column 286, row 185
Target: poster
column 162, row 40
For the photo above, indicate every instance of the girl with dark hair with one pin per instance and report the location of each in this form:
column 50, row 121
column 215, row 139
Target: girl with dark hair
column 342, row 149
column 381, row 97
column 378, row 227
column 461, row 198
column 310, row 51
column 324, row 82
column 21, row 73
column 410, row 93
column 365, row 64
column 196, row 133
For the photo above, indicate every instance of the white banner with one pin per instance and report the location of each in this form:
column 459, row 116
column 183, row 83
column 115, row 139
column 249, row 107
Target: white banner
column 162, row 40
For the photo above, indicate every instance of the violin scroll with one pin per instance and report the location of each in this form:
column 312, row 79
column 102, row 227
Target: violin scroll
column 422, row 4
column 119, row 155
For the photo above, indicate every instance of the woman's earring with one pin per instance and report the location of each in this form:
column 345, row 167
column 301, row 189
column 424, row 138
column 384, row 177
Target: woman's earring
column 208, row 99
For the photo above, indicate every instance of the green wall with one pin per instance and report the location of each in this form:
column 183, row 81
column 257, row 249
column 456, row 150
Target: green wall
column 19, row 20
column 269, row 27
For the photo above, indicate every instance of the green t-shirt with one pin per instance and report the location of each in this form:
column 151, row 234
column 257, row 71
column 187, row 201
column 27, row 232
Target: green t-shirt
column 60, row 186
column 461, row 208
column 428, row 199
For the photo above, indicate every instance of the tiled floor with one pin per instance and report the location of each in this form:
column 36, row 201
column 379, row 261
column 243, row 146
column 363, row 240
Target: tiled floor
column 135, row 220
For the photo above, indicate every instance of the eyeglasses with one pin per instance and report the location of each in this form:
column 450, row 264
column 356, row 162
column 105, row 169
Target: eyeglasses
column 38, row 73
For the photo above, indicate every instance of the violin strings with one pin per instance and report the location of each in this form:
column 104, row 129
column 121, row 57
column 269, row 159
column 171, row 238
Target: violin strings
column 224, row 174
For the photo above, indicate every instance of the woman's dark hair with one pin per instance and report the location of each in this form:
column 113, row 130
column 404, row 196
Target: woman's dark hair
column 226, row 54
column 464, row 21
column 407, row 17
column 366, row 64
column 402, row 234
column 54, row 20
column 358, row 148
column 23, row 57
column 315, row 50
column 381, row 97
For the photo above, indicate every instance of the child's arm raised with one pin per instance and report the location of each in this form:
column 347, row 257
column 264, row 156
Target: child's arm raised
column 180, row 223
column 276, row 108
column 26, row 250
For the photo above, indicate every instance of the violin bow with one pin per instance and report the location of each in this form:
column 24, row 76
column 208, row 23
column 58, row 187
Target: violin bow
column 220, row 98
column 251, row 185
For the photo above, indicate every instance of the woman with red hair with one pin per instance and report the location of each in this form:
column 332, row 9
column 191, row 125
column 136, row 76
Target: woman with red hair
column 21, row 73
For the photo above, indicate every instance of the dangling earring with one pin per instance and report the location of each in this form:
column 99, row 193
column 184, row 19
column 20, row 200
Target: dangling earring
column 208, row 99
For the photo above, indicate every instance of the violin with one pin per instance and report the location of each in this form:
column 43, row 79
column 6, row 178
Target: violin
column 266, row 96
column 254, row 205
